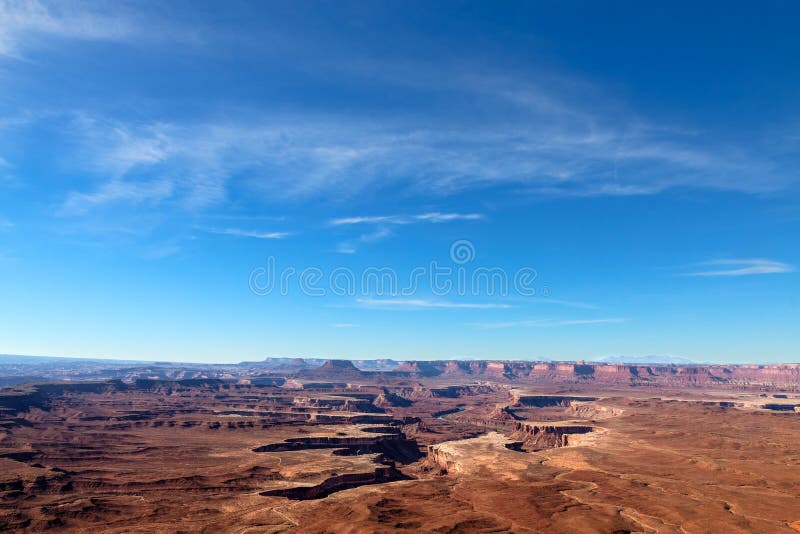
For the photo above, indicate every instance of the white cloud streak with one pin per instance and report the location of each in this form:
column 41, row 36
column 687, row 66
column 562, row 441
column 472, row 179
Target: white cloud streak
column 24, row 20
column 560, row 302
column 537, row 134
column 26, row 24
column 247, row 233
column 383, row 222
column 345, row 248
column 118, row 190
column 550, row 323
column 427, row 304
column 743, row 267
column 349, row 247
column 308, row 157
column 433, row 217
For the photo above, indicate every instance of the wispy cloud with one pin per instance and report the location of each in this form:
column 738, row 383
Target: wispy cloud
column 550, row 323
column 5, row 224
column 247, row 233
column 297, row 156
column 248, row 218
column 25, row 20
column 425, row 303
column 743, row 267
column 364, row 220
column 433, row 217
column 379, row 234
column 191, row 164
column 540, row 132
column 560, row 302
column 302, row 157
column 537, row 134
column 383, row 222
column 29, row 23
column 345, row 325
column 345, row 248
column 585, row 141
column 150, row 192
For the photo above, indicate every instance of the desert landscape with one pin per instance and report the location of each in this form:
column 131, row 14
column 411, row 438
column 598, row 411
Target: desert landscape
column 304, row 446
column 364, row 266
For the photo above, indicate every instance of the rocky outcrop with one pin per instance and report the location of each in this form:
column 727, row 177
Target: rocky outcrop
column 336, row 370
column 542, row 401
column 502, row 415
column 592, row 411
column 734, row 376
column 41, row 395
column 538, row 436
column 154, row 375
column 424, row 369
column 387, row 400
column 443, row 458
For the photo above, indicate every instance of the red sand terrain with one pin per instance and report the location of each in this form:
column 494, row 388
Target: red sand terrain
column 430, row 446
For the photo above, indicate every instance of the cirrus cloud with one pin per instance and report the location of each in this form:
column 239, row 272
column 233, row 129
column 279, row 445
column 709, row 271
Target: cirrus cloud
column 551, row 323
column 743, row 267
column 400, row 303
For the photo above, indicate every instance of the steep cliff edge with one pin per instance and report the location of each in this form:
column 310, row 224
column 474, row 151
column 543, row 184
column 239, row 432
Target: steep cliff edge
column 538, row 436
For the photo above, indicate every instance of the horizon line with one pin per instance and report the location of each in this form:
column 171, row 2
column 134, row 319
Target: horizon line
column 587, row 361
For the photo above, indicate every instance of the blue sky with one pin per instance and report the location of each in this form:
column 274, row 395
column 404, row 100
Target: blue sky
column 641, row 159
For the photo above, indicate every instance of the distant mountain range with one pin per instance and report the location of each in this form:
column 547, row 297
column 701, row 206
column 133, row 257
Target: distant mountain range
column 647, row 360
column 289, row 363
column 20, row 359
column 284, row 364
column 617, row 370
